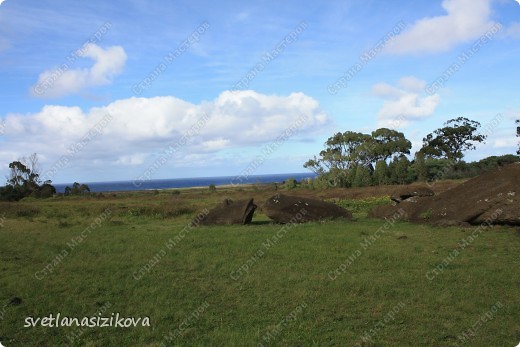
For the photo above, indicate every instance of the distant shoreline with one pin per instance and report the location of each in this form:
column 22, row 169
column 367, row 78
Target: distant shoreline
column 188, row 183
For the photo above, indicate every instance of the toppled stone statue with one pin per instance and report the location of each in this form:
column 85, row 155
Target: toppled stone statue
column 411, row 194
column 491, row 198
column 229, row 212
column 293, row 209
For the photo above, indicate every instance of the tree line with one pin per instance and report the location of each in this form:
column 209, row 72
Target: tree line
column 24, row 181
column 354, row 159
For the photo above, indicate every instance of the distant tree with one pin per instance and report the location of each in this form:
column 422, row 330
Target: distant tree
column 212, row 188
column 363, row 177
column 25, row 171
column 77, row 189
column 421, row 170
column 47, row 191
column 380, row 174
column 451, row 141
column 399, row 170
column 345, row 152
column 340, row 155
column 18, row 175
column 411, row 174
column 388, row 142
column 32, row 162
column 341, row 152
column 24, row 180
column 290, row 183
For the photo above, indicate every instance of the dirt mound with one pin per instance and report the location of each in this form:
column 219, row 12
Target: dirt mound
column 493, row 197
column 230, row 212
column 293, row 209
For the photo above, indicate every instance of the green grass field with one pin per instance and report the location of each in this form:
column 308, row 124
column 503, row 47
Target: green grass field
column 359, row 283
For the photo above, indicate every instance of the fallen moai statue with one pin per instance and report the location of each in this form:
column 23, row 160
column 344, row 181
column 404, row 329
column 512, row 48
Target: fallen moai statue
column 293, row 209
column 229, row 212
column 491, row 198
column 411, row 194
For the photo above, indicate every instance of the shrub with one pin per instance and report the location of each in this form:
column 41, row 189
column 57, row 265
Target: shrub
column 290, row 183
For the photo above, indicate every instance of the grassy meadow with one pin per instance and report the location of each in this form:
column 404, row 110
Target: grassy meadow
column 365, row 282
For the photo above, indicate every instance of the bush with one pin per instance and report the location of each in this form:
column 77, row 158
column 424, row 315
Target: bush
column 77, row 189
column 212, row 188
column 290, row 183
column 10, row 193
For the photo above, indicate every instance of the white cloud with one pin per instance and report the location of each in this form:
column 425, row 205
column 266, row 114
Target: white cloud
column 65, row 80
column 514, row 30
column 505, row 142
column 136, row 159
column 412, row 83
column 404, row 103
column 464, row 21
column 140, row 129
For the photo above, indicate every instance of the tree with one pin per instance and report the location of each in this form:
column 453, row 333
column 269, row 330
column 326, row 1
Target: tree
column 362, row 177
column 381, row 173
column 399, row 170
column 24, row 180
column 46, row 191
column 77, row 189
column 451, row 141
column 340, row 155
column 32, row 162
column 420, row 167
column 25, row 171
column 344, row 152
column 18, row 174
column 388, row 142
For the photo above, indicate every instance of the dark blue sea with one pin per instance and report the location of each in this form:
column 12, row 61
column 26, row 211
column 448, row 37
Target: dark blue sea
column 186, row 182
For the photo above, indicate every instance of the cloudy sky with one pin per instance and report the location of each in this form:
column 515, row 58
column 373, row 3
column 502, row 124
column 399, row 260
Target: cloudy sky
column 114, row 90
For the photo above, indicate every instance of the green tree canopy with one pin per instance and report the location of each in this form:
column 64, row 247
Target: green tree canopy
column 344, row 151
column 388, row 142
column 24, row 180
column 77, row 189
column 451, row 141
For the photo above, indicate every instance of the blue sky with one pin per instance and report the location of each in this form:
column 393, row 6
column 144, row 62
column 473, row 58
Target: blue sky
column 163, row 89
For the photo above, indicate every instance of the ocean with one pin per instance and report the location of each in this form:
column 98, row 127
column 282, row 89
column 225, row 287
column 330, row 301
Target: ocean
column 116, row 186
